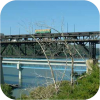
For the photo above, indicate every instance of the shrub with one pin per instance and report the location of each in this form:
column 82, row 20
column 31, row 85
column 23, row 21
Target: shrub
column 84, row 88
column 7, row 90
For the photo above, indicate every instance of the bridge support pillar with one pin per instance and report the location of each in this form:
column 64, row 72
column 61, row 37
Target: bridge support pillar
column 92, row 50
column 89, row 64
column 20, row 74
column 1, row 71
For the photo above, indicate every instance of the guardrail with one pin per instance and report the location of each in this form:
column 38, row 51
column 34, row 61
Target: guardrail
column 43, row 62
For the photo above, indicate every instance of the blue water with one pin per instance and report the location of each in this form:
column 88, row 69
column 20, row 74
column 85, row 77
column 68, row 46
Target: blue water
column 36, row 75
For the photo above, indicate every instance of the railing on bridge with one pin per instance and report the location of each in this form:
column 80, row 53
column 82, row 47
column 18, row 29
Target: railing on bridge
column 44, row 62
column 73, row 36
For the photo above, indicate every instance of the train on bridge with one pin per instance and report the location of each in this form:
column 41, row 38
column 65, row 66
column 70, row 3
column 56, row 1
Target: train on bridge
column 37, row 32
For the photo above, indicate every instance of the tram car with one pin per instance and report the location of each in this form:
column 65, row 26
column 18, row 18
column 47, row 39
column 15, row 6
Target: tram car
column 43, row 31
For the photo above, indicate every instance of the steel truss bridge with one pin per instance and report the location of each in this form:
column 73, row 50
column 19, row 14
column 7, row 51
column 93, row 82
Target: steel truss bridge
column 53, row 44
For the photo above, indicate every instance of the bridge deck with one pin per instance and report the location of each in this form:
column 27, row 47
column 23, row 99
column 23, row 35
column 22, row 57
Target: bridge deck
column 27, row 38
column 26, row 46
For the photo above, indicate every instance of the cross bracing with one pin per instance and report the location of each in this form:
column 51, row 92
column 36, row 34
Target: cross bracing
column 53, row 44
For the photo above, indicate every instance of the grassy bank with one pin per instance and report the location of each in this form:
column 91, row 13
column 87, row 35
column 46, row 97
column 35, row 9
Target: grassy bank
column 83, row 88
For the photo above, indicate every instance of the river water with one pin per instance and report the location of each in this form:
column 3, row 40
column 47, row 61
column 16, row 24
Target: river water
column 37, row 76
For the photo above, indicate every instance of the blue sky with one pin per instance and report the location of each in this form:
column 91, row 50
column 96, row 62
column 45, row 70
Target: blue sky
column 83, row 14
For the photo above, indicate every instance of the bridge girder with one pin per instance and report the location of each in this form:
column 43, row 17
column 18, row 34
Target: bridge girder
column 52, row 50
column 26, row 46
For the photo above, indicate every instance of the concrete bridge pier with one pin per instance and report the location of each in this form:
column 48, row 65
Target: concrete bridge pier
column 1, row 71
column 89, row 64
column 20, row 74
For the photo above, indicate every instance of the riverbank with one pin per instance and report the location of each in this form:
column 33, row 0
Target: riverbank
column 83, row 88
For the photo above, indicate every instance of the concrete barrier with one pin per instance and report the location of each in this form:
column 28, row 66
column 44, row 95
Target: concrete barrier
column 89, row 64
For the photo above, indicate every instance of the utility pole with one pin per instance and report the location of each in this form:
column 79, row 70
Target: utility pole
column 19, row 31
column 67, row 27
column 10, row 30
column 74, row 27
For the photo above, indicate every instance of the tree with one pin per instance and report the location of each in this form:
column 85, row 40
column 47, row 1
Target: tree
column 67, row 50
column 7, row 90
